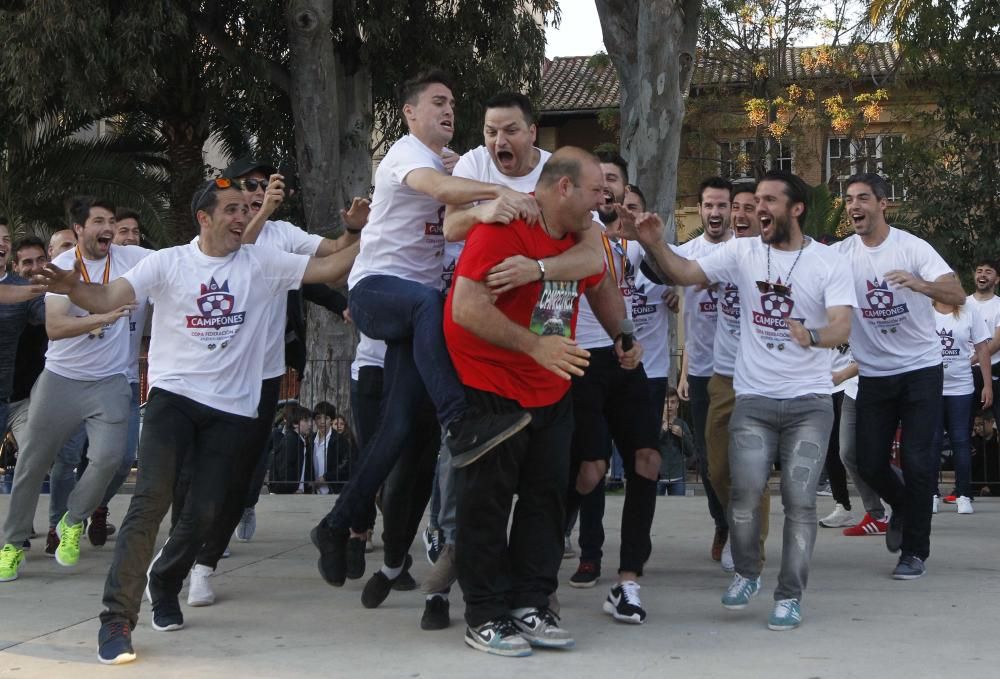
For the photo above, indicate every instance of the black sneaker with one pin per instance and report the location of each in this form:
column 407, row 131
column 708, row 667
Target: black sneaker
column 51, row 542
column 405, row 581
column 435, row 614
column 587, row 574
column 477, row 434
column 114, row 643
column 355, row 558
column 379, row 585
column 623, row 603
column 499, row 637
column 97, row 527
column 332, row 546
column 432, row 542
column 167, row 616
column 909, row 568
column 894, row 534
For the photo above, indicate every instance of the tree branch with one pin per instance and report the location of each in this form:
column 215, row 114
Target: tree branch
column 231, row 51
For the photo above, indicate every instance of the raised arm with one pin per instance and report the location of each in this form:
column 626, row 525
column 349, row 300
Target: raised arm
column 332, row 269
column 946, row 289
column 677, row 269
column 473, row 308
column 460, row 191
column 94, row 297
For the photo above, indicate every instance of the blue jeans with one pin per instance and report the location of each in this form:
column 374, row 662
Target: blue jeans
column 664, row 487
column 796, row 432
column 400, row 311
column 957, row 420
column 913, row 400
column 131, row 446
column 62, row 476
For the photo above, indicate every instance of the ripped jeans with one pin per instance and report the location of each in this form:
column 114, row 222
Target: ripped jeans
column 796, row 432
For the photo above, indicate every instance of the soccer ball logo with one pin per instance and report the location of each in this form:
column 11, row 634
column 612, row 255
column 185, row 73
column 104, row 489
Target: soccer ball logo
column 713, row 294
column 215, row 299
column 878, row 295
column 947, row 338
column 731, row 295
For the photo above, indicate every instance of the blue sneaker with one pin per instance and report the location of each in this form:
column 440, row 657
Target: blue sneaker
column 785, row 616
column 741, row 591
column 909, row 568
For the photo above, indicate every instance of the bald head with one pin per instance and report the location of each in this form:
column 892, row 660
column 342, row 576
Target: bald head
column 570, row 187
column 566, row 162
column 60, row 242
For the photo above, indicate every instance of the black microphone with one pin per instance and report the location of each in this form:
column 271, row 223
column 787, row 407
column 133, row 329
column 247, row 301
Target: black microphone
column 628, row 336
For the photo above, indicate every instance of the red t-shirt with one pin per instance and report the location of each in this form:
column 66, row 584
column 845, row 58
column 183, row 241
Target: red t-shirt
column 546, row 308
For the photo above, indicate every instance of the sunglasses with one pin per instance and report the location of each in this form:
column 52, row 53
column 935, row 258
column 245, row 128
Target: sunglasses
column 252, row 184
column 777, row 288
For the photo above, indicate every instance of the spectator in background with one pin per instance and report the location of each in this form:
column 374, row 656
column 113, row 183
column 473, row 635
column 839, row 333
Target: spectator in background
column 60, row 242
column 288, row 468
column 985, row 456
column 329, row 468
column 127, row 230
column 676, row 448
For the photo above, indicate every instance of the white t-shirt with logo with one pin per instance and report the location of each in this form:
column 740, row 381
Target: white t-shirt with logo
column 893, row 328
column 652, row 324
column 623, row 265
column 726, row 345
column 404, row 236
column 370, row 352
column 210, row 318
column 96, row 355
column 989, row 311
column 700, row 313
column 770, row 362
column 957, row 338
column 286, row 237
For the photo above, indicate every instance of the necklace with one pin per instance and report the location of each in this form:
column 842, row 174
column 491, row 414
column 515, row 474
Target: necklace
column 545, row 225
column 788, row 278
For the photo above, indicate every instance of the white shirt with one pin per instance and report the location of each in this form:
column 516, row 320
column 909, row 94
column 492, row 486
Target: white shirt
column 370, row 352
column 404, row 236
column 989, row 311
column 320, row 446
column 210, row 318
column 700, row 312
column 136, row 328
column 726, row 345
column 286, row 237
column 652, row 325
column 770, row 362
column 841, row 359
column 958, row 337
column 893, row 328
column 590, row 334
column 91, row 357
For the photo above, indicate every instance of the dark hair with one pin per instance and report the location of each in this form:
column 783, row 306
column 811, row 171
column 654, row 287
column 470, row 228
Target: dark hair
column 513, row 100
column 325, row 408
column 796, row 189
column 127, row 213
column 614, row 159
column 410, row 90
column 987, row 261
column 28, row 242
column 672, row 392
column 632, row 188
column 715, row 183
column 206, row 197
column 3, row 220
column 566, row 162
column 298, row 414
column 79, row 208
column 874, row 181
column 743, row 187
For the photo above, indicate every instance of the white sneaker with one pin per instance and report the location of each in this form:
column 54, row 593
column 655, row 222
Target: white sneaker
column 727, row 557
column 934, row 507
column 964, row 505
column 199, row 588
column 838, row 518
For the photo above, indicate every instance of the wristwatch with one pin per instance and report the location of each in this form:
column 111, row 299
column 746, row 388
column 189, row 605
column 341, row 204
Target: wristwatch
column 541, row 268
column 813, row 338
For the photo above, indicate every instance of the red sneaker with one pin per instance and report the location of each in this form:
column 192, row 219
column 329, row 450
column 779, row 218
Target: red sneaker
column 949, row 499
column 868, row 526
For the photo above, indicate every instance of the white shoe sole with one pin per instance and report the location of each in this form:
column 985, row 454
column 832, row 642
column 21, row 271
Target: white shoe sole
column 168, row 628
column 783, row 628
column 199, row 603
column 740, row 607
column 610, row 609
column 119, row 659
column 511, row 653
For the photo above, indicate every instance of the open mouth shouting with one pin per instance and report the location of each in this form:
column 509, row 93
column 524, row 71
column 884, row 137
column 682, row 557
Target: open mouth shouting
column 505, row 157
column 715, row 224
column 857, row 218
column 741, row 226
column 449, row 125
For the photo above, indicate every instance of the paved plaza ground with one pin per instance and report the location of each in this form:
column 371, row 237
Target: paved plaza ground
column 275, row 617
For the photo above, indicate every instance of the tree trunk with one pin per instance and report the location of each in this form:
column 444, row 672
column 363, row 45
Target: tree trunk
column 185, row 140
column 652, row 45
column 331, row 105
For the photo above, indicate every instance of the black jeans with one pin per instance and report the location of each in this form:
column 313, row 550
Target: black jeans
column 834, row 467
column 366, row 405
column 243, row 476
column 698, row 398
column 912, row 399
column 498, row 574
column 176, row 431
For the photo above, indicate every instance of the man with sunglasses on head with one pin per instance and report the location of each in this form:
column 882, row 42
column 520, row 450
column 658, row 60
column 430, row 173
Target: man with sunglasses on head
column 700, row 323
column 796, row 299
column 210, row 307
column 84, row 381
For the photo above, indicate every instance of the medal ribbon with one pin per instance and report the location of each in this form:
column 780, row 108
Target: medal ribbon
column 611, row 258
column 83, row 268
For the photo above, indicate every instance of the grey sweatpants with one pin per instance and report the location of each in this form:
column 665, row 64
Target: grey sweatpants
column 57, row 407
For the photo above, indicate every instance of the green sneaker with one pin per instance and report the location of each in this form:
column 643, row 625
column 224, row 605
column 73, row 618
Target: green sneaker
column 10, row 559
column 68, row 551
column 786, row 615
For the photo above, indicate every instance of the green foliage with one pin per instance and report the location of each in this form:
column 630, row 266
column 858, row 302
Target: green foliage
column 825, row 212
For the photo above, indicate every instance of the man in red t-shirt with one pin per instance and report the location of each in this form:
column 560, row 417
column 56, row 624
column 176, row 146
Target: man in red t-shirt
column 516, row 351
